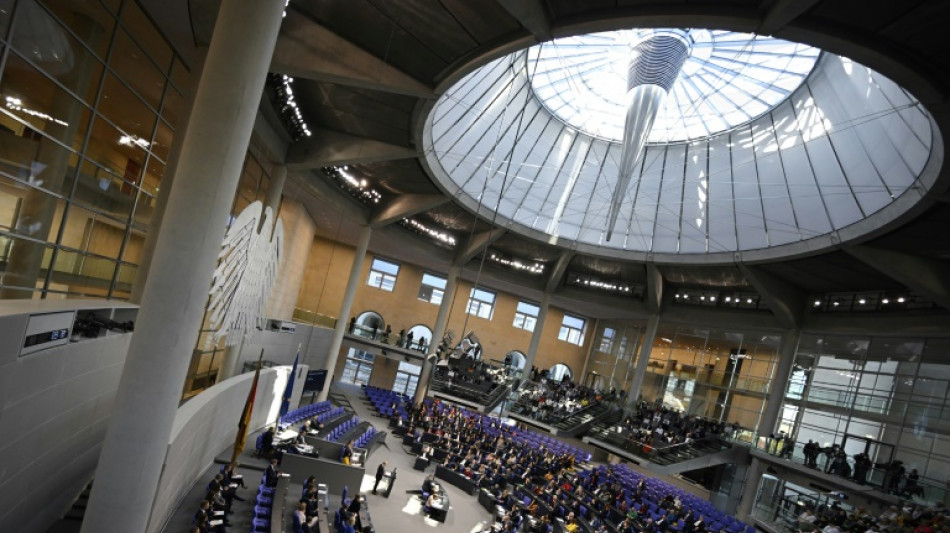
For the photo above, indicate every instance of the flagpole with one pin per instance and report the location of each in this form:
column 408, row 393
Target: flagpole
column 241, row 438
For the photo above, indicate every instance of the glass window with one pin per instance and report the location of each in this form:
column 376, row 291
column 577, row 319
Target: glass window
column 572, row 330
column 526, row 316
column 559, row 372
column 382, row 275
column 481, row 303
column 607, row 340
column 432, row 288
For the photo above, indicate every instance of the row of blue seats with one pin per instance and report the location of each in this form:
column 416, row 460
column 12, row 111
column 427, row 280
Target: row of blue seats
column 367, row 436
column 656, row 490
column 341, row 430
column 383, row 400
column 263, row 505
column 303, row 413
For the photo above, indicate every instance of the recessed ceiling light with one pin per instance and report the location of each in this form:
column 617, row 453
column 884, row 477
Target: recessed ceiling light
column 862, row 301
column 900, row 300
column 817, row 303
column 885, row 301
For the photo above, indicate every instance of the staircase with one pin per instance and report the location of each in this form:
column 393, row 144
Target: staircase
column 703, row 453
column 72, row 520
column 582, row 420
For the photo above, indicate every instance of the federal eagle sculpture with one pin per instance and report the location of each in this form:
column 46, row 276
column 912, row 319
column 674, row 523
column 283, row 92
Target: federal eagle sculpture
column 247, row 268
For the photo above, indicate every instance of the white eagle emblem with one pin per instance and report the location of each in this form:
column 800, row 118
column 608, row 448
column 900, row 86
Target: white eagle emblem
column 247, row 269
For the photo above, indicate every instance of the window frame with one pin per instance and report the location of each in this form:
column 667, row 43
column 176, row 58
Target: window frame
column 432, row 289
column 382, row 279
column 570, row 333
column 481, row 307
column 524, row 316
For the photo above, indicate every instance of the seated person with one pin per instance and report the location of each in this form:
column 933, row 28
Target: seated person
column 267, row 442
column 302, row 522
column 431, row 503
column 231, row 477
column 349, row 525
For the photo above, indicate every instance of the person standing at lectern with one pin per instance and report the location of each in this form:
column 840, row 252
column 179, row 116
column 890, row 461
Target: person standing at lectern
column 380, row 472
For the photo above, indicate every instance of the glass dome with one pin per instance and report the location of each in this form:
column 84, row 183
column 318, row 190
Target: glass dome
column 728, row 79
column 835, row 150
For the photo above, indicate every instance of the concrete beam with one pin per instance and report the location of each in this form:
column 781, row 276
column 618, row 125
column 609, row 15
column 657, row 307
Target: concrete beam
column 308, row 50
column 654, row 294
column 781, row 13
column 405, row 205
column 786, row 302
column 927, row 277
column 532, row 15
column 327, row 148
column 557, row 273
column 476, row 244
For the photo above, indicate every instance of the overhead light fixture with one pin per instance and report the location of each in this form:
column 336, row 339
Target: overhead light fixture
column 900, row 300
column 862, row 301
column 885, row 301
column 817, row 303
column 712, row 298
column 728, row 299
column 748, row 300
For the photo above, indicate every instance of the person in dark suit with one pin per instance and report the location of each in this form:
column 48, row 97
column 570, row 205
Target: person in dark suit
column 272, row 474
column 380, row 472
column 427, row 484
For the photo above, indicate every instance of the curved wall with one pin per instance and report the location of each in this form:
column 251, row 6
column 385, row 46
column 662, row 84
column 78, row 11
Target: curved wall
column 205, row 427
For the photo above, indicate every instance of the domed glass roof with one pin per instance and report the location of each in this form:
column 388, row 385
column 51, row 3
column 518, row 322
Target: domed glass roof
column 764, row 149
column 728, row 79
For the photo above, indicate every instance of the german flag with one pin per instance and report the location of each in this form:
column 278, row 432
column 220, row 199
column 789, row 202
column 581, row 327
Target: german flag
column 241, row 437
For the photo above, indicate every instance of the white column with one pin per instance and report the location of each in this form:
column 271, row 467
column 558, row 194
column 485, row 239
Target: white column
column 186, row 252
column 646, row 347
column 343, row 318
column 448, row 297
column 536, row 336
column 783, row 371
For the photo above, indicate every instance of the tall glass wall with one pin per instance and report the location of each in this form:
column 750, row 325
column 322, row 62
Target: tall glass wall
column 90, row 99
column 611, row 364
column 887, row 397
column 722, row 375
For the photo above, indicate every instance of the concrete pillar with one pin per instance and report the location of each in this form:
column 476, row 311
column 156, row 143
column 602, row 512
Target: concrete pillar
column 448, row 297
column 646, row 347
column 176, row 291
column 276, row 189
column 536, row 336
column 167, row 183
column 773, row 405
column 752, row 479
column 231, row 358
column 342, row 320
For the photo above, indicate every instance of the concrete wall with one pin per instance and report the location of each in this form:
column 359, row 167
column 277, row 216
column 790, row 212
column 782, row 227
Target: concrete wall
column 205, row 427
column 55, row 405
column 384, row 372
column 314, row 343
column 299, row 229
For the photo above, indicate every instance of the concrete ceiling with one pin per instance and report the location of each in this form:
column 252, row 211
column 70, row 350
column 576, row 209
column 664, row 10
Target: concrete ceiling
column 368, row 69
